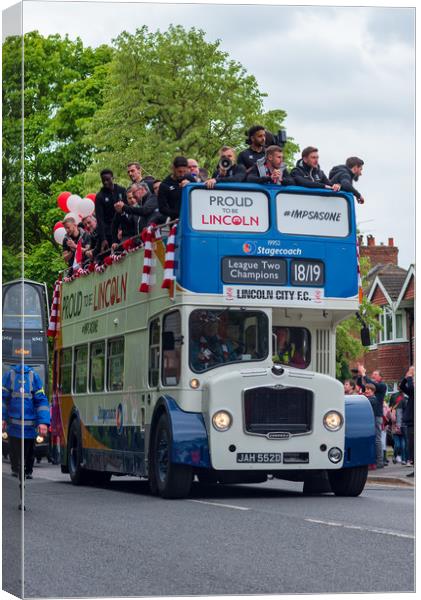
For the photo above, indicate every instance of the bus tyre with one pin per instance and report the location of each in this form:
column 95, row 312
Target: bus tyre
column 348, row 482
column 172, row 480
column 77, row 474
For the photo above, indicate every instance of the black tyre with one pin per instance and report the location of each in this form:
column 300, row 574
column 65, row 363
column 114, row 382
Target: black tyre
column 77, row 474
column 171, row 480
column 348, row 482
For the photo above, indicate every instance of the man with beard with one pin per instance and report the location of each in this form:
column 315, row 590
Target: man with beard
column 346, row 174
column 169, row 195
column 141, row 212
column 108, row 195
column 256, row 138
column 308, row 173
column 272, row 170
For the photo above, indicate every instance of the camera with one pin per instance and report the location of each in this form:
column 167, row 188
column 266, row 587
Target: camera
column 280, row 139
column 225, row 163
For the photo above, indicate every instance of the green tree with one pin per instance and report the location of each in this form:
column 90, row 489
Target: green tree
column 348, row 344
column 172, row 93
column 63, row 83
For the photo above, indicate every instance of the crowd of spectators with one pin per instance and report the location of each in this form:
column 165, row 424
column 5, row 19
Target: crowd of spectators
column 123, row 212
column 394, row 414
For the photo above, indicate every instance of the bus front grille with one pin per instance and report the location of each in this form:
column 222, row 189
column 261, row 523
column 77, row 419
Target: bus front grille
column 283, row 410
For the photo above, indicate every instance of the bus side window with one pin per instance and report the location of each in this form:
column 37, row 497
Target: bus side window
column 80, row 371
column 66, row 371
column 115, row 368
column 97, row 360
column 171, row 356
column 154, row 335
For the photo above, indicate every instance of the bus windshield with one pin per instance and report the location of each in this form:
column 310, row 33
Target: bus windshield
column 13, row 315
column 229, row 336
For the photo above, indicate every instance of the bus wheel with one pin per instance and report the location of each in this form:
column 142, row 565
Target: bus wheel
column 74, row 455
column 348, row 482
column 172, row 480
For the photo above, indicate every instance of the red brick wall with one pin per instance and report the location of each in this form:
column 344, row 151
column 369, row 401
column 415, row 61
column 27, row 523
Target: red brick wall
column 390, row 359
column 378, row 297
column 380, row 254
column 410, row 290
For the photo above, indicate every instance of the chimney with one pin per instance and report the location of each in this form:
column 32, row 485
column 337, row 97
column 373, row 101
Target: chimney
column 381, row 254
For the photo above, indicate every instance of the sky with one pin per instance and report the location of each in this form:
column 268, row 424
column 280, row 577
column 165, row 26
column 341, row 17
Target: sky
column 344, row 75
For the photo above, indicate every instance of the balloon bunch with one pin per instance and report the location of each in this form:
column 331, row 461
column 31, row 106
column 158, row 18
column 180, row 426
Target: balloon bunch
column 75, row 207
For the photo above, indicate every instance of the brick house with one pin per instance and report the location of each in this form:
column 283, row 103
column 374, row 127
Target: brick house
column 393, row 289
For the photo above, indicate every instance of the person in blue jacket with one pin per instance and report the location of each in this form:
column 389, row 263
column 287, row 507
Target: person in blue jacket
column 26, row 414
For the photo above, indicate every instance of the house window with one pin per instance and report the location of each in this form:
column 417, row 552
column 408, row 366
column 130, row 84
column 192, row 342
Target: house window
column 393, row 326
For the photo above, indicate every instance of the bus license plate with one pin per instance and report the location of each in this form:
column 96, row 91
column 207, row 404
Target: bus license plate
column 259, row 457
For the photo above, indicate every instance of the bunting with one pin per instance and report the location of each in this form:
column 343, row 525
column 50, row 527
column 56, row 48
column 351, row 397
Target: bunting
column 54, row 323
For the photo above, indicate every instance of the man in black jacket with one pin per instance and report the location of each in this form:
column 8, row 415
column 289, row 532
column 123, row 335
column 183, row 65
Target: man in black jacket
column 346, row 174
column 407, row 386
column 233, row 173
column 307, row 171
column 107, row 196
column 272, row 170
column 141, row 212
column 256, row 137
column 169, row 195
column 377, row 405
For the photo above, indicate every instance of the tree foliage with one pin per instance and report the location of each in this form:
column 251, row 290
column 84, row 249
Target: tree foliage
column 62, row 89
column 172, row 93
column 348, row 344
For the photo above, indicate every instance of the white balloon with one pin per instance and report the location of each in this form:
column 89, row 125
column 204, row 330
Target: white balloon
column 73, row 203
column 85, row 207
column 59, row 234
column 76, row 216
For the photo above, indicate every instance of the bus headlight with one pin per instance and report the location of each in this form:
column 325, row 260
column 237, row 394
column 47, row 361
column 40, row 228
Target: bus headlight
column 39, row 439
column 335, row 455
column 333, row 420
column 4, row 435
column 194, row 383
column 222, row 420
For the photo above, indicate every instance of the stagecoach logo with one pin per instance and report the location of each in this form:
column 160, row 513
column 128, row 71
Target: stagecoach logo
column 229, row 210
column 249, row 247
column 119, row 419
column 278, row 435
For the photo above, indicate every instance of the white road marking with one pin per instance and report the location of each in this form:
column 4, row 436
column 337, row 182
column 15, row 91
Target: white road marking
column 361, row 528
column 222, row 505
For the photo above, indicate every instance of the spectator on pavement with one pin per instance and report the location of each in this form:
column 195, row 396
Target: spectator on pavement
column 377, row 405
column 349, row 387
column 400, row 450
column 407, row 386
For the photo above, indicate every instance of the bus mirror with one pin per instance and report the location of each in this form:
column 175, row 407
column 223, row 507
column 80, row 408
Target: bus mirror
column 168, row 341
column 365, row 336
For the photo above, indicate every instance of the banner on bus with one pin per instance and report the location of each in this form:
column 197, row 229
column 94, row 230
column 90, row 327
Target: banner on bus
column 286, row 296
column 325, row 216
column 229, row 210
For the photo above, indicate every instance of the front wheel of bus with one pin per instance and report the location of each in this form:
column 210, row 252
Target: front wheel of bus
column 74, row 455
column 172, row 480
column 348, row 482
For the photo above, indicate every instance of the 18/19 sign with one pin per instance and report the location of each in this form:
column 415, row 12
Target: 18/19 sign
column 307, row 272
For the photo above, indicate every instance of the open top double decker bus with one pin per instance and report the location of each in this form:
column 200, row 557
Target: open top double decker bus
column 229, row 376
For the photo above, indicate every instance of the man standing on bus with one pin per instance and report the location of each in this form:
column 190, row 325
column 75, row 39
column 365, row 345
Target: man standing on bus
column 307, row 171
column 346, row 174
column 272, row 170
column 256, row 137
column 227, row 171
column 108, row 195
column 26, row 413
column 169, row 195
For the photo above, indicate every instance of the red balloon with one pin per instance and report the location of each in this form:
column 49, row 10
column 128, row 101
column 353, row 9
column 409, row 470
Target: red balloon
column 62, row 200
column 91, row 196
column 58, row 225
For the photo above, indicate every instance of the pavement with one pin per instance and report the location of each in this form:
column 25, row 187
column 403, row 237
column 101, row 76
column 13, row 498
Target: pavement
column 392, row 475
